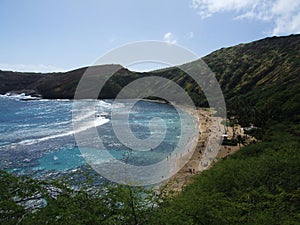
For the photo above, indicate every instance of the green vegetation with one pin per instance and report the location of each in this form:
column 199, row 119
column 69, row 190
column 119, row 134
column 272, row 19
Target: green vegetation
column 260, row 184
column 108, row 204
column 259, row 80
column 257, row 185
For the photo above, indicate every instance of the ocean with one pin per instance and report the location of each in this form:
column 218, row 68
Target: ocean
column 37, row 136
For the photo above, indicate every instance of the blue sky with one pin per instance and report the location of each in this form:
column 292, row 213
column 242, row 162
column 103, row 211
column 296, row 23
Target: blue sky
column 59, row 35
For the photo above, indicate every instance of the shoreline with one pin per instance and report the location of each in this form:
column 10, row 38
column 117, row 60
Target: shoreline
column 203, row 155
column 208, row 149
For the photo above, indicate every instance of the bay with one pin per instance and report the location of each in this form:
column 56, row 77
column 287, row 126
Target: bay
column 37, row 137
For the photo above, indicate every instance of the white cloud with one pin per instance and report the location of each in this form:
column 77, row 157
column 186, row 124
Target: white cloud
column 284, row 14
column 30, row 68
column 170, row 38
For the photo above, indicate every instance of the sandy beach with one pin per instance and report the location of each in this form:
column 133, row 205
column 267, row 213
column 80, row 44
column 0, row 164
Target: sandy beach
column 207, row 151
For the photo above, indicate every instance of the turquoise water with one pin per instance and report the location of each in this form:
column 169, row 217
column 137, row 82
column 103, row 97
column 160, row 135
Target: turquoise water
column 37, row 137
column 61, row 160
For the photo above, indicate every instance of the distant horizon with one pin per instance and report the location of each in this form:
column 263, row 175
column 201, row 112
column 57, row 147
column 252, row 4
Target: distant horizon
column 136, row 67
column 48, row 36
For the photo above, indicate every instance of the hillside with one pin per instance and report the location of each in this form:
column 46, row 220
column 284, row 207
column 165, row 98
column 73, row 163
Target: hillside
column 56, row 85
column 259, row 184
column 263, row 75
column 259, row 80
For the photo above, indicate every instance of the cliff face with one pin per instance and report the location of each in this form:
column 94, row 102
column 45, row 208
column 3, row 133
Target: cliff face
column 262, row 75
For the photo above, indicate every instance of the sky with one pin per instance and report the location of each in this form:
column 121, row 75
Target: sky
column 60, row 35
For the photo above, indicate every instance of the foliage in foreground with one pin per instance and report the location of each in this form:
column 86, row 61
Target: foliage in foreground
column 108, row 204
column 257, row 185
